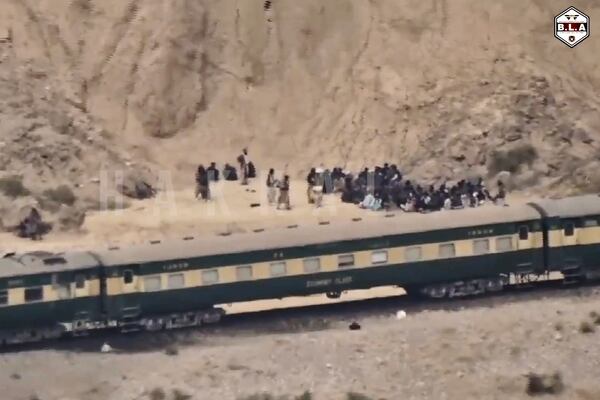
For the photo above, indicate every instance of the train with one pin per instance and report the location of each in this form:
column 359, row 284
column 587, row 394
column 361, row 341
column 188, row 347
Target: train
column 180, row 283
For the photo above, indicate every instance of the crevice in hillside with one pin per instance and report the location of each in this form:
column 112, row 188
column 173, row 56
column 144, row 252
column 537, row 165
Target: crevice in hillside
column 120, row 31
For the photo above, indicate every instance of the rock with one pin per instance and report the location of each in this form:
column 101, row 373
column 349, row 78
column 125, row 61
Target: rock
column 136, row 186
column 69, row 218
column 401, row 314
column 513, row 137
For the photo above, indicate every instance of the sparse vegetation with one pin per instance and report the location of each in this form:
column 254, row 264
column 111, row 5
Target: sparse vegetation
column 34, row 397
column 512, row 159
column 304, row 396
column 157, row 394
column 16, row 376
column 180, row 395
column 12, row 186
column 171, row 350
column 538, row 384
column 558, row 326
column 586, row 327
column 357, row 396
column 62, row 195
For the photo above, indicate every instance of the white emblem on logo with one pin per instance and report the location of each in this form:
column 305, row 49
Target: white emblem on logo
column 571, row 27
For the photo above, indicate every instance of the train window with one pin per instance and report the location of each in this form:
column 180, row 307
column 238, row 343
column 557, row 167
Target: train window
column 379, row 257
column 413, row 254
column 278, row 268
column 152, row 283
column 569, row 229
column 504, row 244
column 312, row 265
column 176, row 281
column 34, row 294
column 79, row 281
column 447, row 250
column 209, row 277
column 244, row 273
column 590, row 222
column 523, row 233
column 481, row 246
column 128, row 276
column 63, row 290
column 3, row 297
column 345, row 260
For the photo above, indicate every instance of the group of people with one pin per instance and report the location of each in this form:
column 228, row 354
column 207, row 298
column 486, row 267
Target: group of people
column 204, row 177
column 385, row 188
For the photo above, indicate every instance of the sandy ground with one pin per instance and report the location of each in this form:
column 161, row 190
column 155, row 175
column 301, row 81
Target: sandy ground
column 476, row 349
column 176, row 213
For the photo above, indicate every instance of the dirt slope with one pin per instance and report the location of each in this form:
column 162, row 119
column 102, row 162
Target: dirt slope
column 443, row 88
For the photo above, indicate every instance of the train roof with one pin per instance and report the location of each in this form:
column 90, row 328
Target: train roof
column 569, row 207
column 373, row 225
column 40, row 262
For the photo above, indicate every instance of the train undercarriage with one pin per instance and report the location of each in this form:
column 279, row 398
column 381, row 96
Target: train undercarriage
column 80, row 327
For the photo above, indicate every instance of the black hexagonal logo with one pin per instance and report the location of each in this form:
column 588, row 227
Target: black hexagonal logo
column 571, row 27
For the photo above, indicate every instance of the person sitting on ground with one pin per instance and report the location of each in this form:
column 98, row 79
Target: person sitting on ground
column 284, row 193
column 32, row 226
column 230, row 173
column 213, row 172
column 251, row 170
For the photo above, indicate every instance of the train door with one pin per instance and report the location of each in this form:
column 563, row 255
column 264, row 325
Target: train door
column 124, row 287
column 568, row 235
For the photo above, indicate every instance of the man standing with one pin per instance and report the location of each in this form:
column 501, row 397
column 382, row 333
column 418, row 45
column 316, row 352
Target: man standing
column 284, row 193
column 271, row 190
column 243, row 160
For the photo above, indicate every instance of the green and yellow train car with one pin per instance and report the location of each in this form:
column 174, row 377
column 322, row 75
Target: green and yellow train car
column 178, row 283
column 43, row 295
column 442, row 254
column 572, row 227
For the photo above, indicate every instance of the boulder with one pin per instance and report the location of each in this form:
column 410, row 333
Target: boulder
column 136, row 185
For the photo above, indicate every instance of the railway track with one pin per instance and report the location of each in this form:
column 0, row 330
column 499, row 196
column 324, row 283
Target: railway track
column 304, row 318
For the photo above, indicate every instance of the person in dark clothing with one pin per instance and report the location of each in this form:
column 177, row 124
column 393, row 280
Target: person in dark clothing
column 251, row 170
column 500, row 197
column 213, row 172
column 271, row 189
column 230, row 173
column 32, row 226
column 202, row 183
column 311, row 180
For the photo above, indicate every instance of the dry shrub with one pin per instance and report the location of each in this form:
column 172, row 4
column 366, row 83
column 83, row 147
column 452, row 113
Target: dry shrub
column 62, row 195
column 157, row 394
column 171, row 351
column 511, row 160
column 558, row 326
column 538, row 384
column 180, row 395
column 586, row 327
column 305, row 396
column 12, row 186
column 357, row 396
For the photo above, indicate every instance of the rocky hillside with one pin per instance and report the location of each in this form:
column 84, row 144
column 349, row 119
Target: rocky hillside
column 443, row 88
